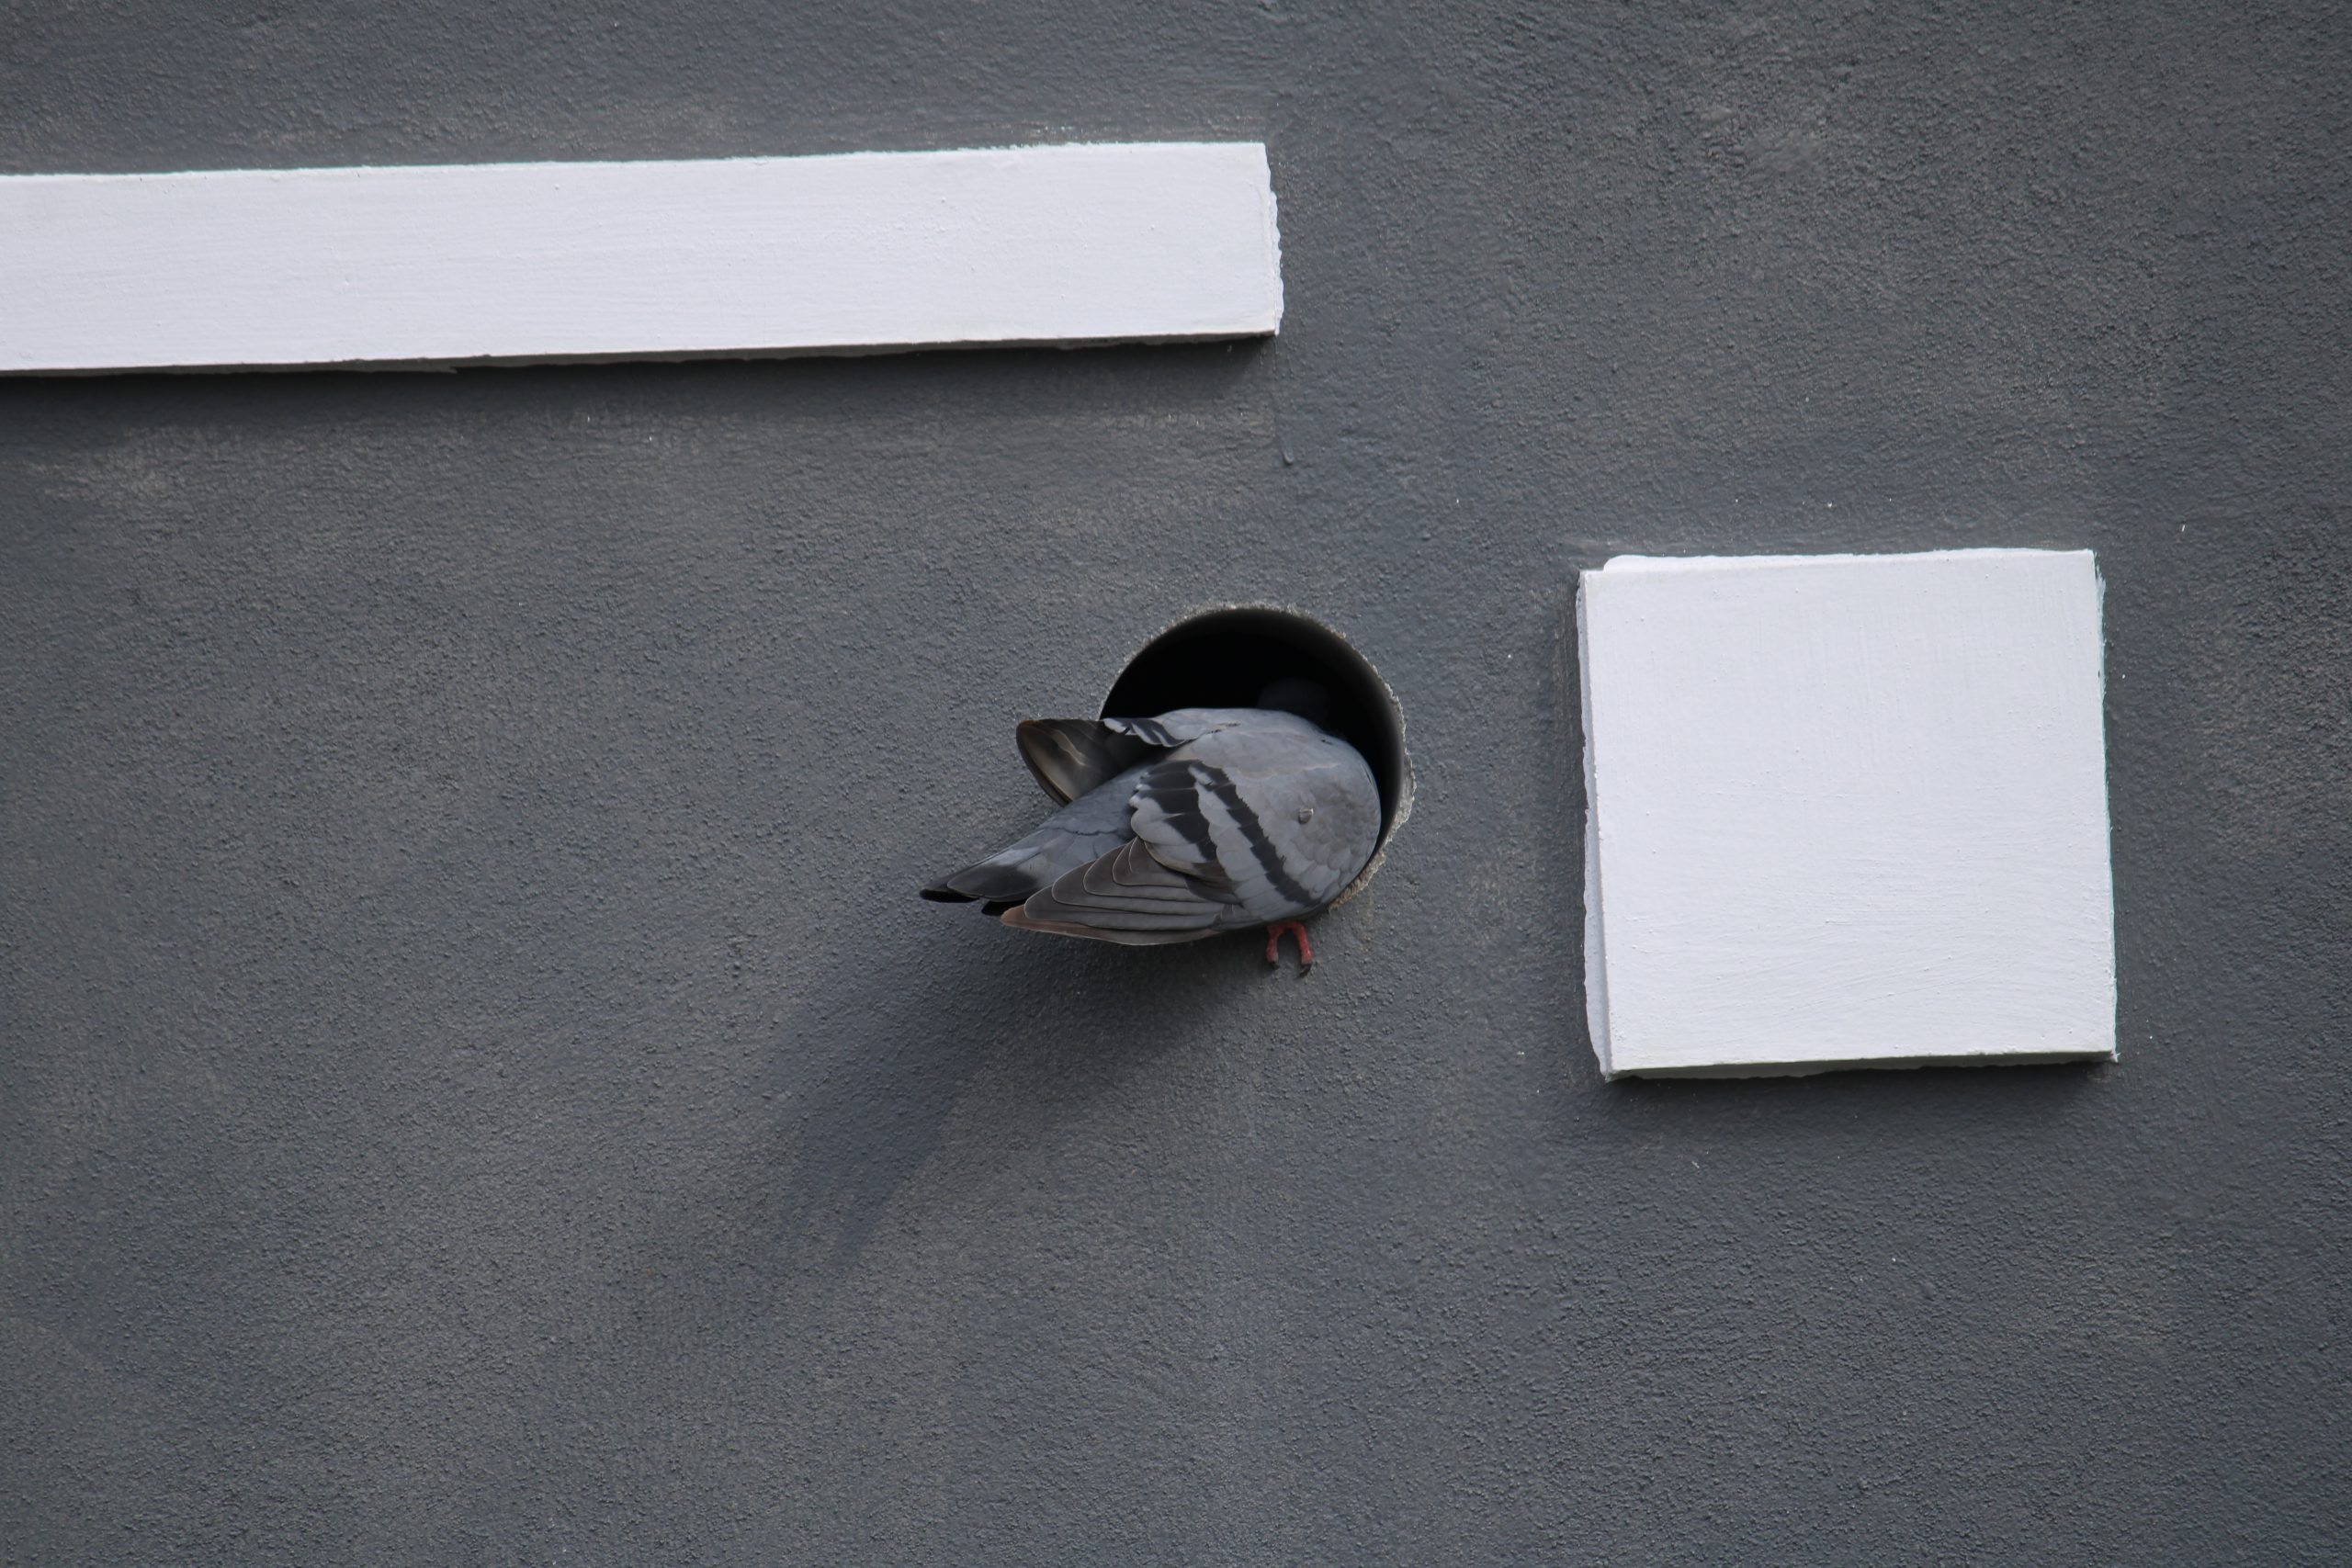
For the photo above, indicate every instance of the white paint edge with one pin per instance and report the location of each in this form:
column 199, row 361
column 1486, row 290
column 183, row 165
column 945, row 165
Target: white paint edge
column 1663, row 564
column 1080, row 243
column 1596, row 953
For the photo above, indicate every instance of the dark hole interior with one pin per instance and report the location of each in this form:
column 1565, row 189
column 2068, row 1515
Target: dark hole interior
column 1225, row 658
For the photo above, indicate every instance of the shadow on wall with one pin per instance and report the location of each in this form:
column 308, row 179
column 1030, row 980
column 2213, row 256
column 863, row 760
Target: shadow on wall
column 904, row 1036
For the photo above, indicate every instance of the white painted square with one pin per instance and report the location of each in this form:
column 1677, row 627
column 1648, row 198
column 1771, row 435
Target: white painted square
column 1845, row 811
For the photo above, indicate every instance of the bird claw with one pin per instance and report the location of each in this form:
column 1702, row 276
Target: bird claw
column 1274, row 944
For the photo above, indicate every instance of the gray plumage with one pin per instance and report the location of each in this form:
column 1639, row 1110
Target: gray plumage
column 1177, row 827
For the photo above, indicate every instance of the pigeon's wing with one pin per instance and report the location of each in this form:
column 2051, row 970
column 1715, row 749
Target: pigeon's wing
column 1128, row 897
column 1179, row 825
column 1090, row 765
column 1074, row 756
column 1281, row 818
column 1095, row 824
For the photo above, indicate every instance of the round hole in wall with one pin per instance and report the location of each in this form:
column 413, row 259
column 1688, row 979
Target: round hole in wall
column 1225, row 657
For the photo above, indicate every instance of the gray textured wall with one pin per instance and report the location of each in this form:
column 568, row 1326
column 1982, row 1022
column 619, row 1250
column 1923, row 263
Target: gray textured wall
column 479, row 1087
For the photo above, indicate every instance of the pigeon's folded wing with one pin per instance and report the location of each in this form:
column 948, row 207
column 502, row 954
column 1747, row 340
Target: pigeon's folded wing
column 1173, row 826
column 1094, row 824
column 1281, row 819
column 1126, row 895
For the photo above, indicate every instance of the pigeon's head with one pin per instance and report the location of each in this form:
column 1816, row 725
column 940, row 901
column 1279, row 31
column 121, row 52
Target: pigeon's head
column 1296, row 695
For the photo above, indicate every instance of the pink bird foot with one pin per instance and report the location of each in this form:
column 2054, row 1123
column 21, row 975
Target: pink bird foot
column 1274, row 944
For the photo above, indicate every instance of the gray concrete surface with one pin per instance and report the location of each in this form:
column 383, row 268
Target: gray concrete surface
column 477, row 1085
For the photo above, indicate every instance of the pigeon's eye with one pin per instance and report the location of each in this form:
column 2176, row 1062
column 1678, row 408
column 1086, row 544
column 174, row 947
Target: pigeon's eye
column 1307, row 814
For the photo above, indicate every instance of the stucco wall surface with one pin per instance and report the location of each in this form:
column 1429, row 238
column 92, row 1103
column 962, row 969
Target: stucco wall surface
column 476, row 1085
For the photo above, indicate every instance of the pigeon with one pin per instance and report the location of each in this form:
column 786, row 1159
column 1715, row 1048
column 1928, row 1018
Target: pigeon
column 1182, row 825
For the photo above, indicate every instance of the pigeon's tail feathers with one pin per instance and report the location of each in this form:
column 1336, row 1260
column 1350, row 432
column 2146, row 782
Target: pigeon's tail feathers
column 1019, row 918
column 1092, row 824
column 1018, row 870
column 992, row 881
column 1073, row 756
column 1123, row 895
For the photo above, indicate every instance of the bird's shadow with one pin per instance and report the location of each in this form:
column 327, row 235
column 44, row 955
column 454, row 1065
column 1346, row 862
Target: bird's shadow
column 859, row 1088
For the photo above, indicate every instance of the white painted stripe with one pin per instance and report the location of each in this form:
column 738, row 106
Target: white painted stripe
column 1062, row 244
column 1846, row 810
